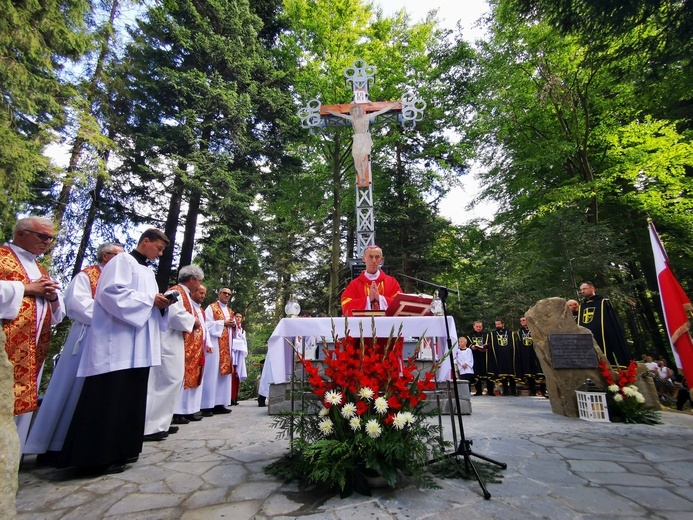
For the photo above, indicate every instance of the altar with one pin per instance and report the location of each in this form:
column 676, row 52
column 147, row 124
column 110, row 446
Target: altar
column 280, row 350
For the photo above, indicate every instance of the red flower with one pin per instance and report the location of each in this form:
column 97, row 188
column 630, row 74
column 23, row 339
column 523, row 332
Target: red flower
column 393, row 402
column 361, row 407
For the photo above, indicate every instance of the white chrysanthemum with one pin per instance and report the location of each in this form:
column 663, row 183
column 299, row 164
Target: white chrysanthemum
column 630, row 390
column 333, row 397
column 366, row 393
column 639, row 397
column 324, row 412
column 400, row 421
column 373, row 429
column 381, row 405
column 348, row 410
column 618, row 398
column 326, row 426
column 613, row 389
column 355, row 423
column 409, row 417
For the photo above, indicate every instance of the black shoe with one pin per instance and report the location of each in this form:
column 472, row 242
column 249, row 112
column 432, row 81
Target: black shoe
column 173, row 429
column 97, row 471
column 261, row 400
column 158, row 436
column 219, row 409
column 118, row 467
column 193, row 417
column 179, row 419
column 207, row 412
column 478, row 393
column 132, row 460
column 49, row 458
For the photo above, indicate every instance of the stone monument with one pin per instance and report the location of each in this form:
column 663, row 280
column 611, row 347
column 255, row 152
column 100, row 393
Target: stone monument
column 553, row 316
column 9, row 441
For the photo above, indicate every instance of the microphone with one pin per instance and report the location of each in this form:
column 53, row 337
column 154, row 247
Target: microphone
column 172, row 295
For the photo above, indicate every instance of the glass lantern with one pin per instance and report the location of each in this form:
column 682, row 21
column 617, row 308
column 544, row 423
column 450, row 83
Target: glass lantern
column 292, row 308
column 436, row 305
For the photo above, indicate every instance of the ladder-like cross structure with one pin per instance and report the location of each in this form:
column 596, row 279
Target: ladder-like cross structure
column 360, row 114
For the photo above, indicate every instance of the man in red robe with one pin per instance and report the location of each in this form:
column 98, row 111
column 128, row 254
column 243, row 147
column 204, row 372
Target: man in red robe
column 372, row 289
column 30, row 302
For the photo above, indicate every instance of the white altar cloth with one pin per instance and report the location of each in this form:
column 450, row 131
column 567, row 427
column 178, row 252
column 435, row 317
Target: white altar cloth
column 280, row 352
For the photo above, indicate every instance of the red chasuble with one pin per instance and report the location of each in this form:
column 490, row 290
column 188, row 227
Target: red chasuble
column 355, row 296
column 23, row 350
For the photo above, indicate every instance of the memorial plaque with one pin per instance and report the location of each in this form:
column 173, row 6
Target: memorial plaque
column 572, row 351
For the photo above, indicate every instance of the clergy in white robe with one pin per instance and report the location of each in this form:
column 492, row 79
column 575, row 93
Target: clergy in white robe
column 216, row 381
column 30, row 302
column 166, row 380
column 190, row 400
column 107, row 427
column 53, row 417
column 239, row 351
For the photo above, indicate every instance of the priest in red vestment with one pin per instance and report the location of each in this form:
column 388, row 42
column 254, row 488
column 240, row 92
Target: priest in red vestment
column 372, row 289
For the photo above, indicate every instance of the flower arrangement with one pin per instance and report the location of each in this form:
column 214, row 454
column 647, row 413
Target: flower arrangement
column 370, row 420
column 625, row 402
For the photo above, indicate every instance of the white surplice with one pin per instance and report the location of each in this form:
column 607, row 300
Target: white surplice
column 190, row 400
column 166, row 380
column 11, row 295
column 216, row 389
column 54, row 416
column 126, row 327
column 239, row 351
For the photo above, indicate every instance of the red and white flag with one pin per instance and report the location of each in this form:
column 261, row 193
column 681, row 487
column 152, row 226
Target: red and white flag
column 675, row 304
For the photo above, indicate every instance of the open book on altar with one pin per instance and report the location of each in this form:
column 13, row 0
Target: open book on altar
column 410, row 305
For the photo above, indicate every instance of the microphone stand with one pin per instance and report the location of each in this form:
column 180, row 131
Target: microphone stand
column 464, row 448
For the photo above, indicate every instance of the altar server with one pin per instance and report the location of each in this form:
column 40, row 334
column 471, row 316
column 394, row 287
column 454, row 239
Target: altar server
column 53, row 418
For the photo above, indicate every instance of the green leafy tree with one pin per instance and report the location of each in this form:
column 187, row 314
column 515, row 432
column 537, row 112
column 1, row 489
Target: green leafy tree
column 36, row 41
column 574, row 164
column 194, row 78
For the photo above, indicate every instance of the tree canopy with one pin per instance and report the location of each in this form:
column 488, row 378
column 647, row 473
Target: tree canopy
column 577, row 115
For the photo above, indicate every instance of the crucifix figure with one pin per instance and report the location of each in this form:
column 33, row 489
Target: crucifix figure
column 363, row 143
column 361, row 113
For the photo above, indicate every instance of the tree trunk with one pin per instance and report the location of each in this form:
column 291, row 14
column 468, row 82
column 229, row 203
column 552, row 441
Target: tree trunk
column 186, row 250
column 334, row 299
column 194, row 208
column 163, row 273
column 78, row 144
column 400, row 187
column 88, row 225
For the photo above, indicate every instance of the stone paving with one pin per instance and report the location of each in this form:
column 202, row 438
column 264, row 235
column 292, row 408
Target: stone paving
column 558, row 468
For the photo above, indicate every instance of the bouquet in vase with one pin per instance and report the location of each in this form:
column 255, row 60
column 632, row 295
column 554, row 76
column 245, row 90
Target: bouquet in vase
column 625, row 402
column 370, row 422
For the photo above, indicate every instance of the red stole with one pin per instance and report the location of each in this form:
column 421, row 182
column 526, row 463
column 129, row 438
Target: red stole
column 93, row 272
column 225, row 365
column 194, row 356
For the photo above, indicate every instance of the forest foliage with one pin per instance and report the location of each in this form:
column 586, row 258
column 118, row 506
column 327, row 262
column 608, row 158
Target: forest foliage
column 183, row 115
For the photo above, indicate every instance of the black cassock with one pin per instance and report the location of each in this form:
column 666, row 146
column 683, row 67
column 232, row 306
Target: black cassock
column 597, row 315
column 502, row 361
column 527, row 362
column 479, row 340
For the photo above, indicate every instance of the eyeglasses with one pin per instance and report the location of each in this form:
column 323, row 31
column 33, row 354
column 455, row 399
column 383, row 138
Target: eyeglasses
column 226, row 293
column 42, row 236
